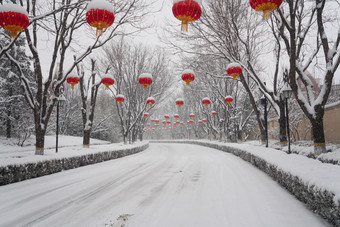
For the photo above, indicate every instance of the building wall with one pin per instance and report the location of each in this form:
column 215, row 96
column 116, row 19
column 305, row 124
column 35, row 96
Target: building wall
column 304, row 130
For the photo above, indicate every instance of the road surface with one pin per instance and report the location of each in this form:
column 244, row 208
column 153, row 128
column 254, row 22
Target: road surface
column 168, row 185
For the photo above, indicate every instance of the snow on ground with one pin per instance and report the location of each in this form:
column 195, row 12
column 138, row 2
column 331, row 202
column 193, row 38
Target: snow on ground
column 168, row 185
column 68, row 146
column 309, row 170
column 303, row 148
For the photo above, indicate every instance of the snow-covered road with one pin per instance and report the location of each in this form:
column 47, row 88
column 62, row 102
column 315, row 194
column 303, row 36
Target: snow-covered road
column 168, row 185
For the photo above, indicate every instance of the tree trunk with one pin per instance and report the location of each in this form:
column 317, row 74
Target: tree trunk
column 9, row 122
column 86, row 138
column 318, row 135
column 283, row 126
column 39, row 140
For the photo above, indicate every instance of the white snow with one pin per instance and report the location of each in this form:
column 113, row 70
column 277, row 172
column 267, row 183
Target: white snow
column 206, row 98
column 145, row 75
column 69, row 146
column 188, row 71
column 120, row 96
column 100, row 4
column 9, row 7
column 234, row 64
column 151, row 98
column 168, row 185
column 179, row 99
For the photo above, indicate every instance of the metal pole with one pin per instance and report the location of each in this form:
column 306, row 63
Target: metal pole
column 288, row 134
column 57, row 128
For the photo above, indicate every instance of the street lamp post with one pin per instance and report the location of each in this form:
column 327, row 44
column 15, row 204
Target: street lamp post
column 264, row 103
column 60, row 103
column 286, row 94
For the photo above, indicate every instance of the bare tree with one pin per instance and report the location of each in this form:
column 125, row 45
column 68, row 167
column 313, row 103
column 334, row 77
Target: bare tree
column 62, row 20
column 301, row 20
column 127, row 63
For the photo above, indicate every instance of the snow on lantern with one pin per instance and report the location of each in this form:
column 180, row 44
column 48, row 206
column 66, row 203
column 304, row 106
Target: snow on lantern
column 146, row 115
column 191, row 122
column 107, row 80
column 145, row 79
column 204, row 120
column 234, row 70
column 188, row 76
column 187, row 11
column 176, row 116
column 200, row 122
column 179, row 102
column 73, row 80
column 100, row 15
column 120, row 99
column 192, row 115
column 265, row 6
column 152, row 120
column 206, row 101
column 213, row 113
column 228, row 99
column 150, row 101
column 13, row 18
column 166, row 116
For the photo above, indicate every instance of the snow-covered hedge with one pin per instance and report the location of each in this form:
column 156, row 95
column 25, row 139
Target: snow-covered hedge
column 320, row 200
column 19, row 172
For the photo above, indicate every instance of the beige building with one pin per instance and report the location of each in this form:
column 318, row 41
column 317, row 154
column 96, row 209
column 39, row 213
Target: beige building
column 302, row 129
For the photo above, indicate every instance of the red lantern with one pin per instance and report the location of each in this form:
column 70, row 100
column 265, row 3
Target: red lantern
column 234, row 70
column 145, row 79
column 148, row 124
column 204, row 120
column 213, row 113
column 120, row 99
column 191, row 122
column 146, row 115
column 187, row 11
column 73, row 80
column 200, row 122
column 179, row 102
column 107, row 80
column 176, row 116
column 150, row 101
column 100, row 15
column 206, row 102
column 265, row 6
column 229, row 100
column 152, row 120
column 156, row 121
column 188, row 76
column 13, row 18
column 169, row 122
column 192, row 115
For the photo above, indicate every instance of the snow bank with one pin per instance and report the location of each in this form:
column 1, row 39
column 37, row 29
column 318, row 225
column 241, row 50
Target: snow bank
column 64, row 160
column 309, row 180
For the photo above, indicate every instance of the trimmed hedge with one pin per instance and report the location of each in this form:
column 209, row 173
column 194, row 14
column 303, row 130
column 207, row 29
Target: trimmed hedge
column 320, row 201
column 15, row 173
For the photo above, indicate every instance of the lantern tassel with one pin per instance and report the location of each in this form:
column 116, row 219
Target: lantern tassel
column 205, row 105
column 72, row 86
column 188, row 83
column 13, row 34
column 266, row 15
column 145, row 87
column 106, row 87
column 184, row 26
column 99, row 31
